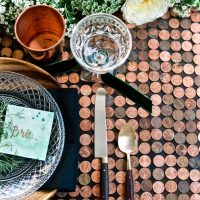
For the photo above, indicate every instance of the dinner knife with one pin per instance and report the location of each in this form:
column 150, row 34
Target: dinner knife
column 100, row 141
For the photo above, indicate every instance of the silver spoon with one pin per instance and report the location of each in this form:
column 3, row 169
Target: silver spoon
column 127, row 142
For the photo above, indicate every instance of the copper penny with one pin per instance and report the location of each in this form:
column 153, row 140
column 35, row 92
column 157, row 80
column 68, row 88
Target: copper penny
column 185, row 23
column 164, row 35
column 84, row 101
column 187, row 46
column 145, row 161
column 158, row 173
column 195, row 27
column 180, row 138
column 154, row 76
column 176, row 80
column 134, row 161
column 168, row 134
column 131, row 112
column 133, row 33
column 156, row 122
column 192, row 138
column 121, row 76
column 145, row 135
column 158, row 161
column 178, row 103
column 85, row 139
column 171, row 196
column 109, row 111
column 132, row 66
column 164, row 45
column 144, row 148
column 142, row 113
column 156, row 99
column 166, row 67
column 177, row 115
column 167, row 88
column 119, row 153
column 156, row 134
column 153, row 32
column 155, row 87
column 135, row 173
column 188, row 81
column 146, row 185
column 196, row 48
column 121, row 189
column 195, row 17
column 142, row 34
column 181, row 149
column 142, row 77
column 196, row 38
column 176, row 57
column 85, row 90
column 191, row 126
column 85, row 166
column 143, row 88
column 195, row 187
column 84, row 113
column 154, row 65
column 85, row 151
column 163, row 24
column 190, row 104
column 119, row 101
column 183, row 173
column 169, row 148
column 179, row 126
column 195, row 197
column 134, row 123
column 187, row 57
column 189, row 115
column 146, row 196
column 120, row 112
column 153, row 43
column 96, row 164
column 111, row 150
column 174, row 23
column 85, row 125
column 194, row 162
column 171, row 186
column 62, row 79
column 197, row 70
column 186, row 35
column 175, row 45
column 142, row 45
column 112, row 188
column 168, row 99
column 157, row 147
column 168, row 122
column 145, row 123
column 177, row 68
column 158, row 197
column 119, row 123
column 155, row 111
column 171, row 173
column 154, row 54
column 183, row 187
column 170, row 160
column 197, row 81
column 195, row 175
column 145, row 173
column 158, row 187
column 165, row 77
column 175, row 34
column 165, row 56
column 183, row 197
column 120, row 177
column 182, row 161
column 166, row 110
column 136, row 187
column 120, row 164
column 109, row 90
column 196, row 59
column 131, row 77
column 142, row 55
column 84, row 179
column 73, row 78
column 110, row 136
column 143, row 66
column 193, row 150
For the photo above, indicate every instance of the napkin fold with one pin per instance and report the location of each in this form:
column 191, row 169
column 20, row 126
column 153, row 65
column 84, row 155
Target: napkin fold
column 65, row 176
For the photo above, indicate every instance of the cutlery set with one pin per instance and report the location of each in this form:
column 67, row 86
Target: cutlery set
column 127, row 141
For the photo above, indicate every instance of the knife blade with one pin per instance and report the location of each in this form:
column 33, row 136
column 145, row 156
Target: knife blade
column 100, row 141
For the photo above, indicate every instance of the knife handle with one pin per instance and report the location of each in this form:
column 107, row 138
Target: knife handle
column 104, row 187
column 129, row 185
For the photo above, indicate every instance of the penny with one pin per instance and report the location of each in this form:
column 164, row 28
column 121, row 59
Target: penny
column 133, row 56
column 175, row 34
column 182, row 161
column 154, row 65
column 84, row 101
column 165, row 56
column 195, row 17
column 84, row 179
column 197, row 70
column 187, row 57
column 146, row 196
column 142, row 34
column 176, row 80
column 158, row 197
column 186, row 35
column 145, row 173
column 134, row 161
column 119, row 153
column 121, row 77
column 121, row 164
column 155, row 87
column 171, row 196
column 197, row 81
column 171, row 173
column 189, row 115
column 110, row 123
column 196, row 38
column 85, row 151
column 185, row 23
column 144, row 161
column 156, row 134
column 120, row 177
column 153, row 43
column 180, row 138
column 168, row 134
column 190, row 104
column 166, row 110
column 176, row 57
column 168, row 99
column 85, row 125
column 194, row 162
column 153, row 23
column 120, row 112
column 62, row 79
column 109, row 111
column 156, row 99
column 132, row 66
column 168, row 122
column 175, row 45
column 158, row 187
column 169, row 148
column 196, row 59
column 191, row 138
column 109, row 90
column 110, row 136
column 174, row 23
column 153, row 33
column 158, row 161
column 157, row 147
column 164, row 35
column 156, row 122
column 146, row 185
column 183, row 197
column 143, row 88
column 119, row 101
column 183, row 173
column 75, row 193
column 177, row 68
column 142, row 113
column 155, row 111
column 135, row 173
column 158, row 173
column 121, row 189
column 171, row 186
column 133, row 33
column 191, row 126
column 167, row 88
column 154, row 54
column 145, row 135
column 143, row 66
column 195, row 187
column 193, row 150
column 170, row 160
column 85, row 166
column 178, row 103
column 131, row 112
column 85, row 139
column 96, row 190
column 136, row 188
column 119, row 123
column 164, row 45
column 73, row 78
column 134, row 123
column 142, row 45
column 166, row 67
column 195, row 197
column 195, row 27
column 196, row 48
column 188, row 81
column 187, row 46
column 195, row 175
column 181, row 149
column 154, row 76
column 142, row 77
column 177, row 115
column 111, row 150
column 84, row 113
column 144, row 148
column 145, row 123
column 109, row 100
column 96, row 164
column 183, row 187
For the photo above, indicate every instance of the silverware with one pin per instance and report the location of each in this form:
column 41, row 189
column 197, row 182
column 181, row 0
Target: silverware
column 127, row 142
column 100, row 141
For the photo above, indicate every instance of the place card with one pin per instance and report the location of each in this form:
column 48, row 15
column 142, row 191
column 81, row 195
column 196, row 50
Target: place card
column 26, row 132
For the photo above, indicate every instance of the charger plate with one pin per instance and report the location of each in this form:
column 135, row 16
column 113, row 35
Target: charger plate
column 46, row 80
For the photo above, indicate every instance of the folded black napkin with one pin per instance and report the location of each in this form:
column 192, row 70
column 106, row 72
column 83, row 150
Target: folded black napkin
column 65, row 176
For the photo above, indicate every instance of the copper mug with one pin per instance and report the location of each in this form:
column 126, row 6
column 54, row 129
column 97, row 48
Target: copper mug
column 40, row 29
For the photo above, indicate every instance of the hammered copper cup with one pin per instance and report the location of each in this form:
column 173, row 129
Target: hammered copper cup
column 40, row 29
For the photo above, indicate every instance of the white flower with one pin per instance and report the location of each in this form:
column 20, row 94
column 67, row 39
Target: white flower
column 142, row 11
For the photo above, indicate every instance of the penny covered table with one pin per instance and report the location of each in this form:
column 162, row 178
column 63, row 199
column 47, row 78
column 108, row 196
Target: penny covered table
column 164, row 64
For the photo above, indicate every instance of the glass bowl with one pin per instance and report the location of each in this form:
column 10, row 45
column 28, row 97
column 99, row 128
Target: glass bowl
column 100, row 43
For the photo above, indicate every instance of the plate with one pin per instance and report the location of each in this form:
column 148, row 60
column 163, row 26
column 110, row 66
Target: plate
column 30, row 175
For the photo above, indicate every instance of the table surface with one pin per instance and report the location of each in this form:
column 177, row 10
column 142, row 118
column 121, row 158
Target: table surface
column 164, row 65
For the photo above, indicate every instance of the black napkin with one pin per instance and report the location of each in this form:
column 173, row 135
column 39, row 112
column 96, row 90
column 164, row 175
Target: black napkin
column 65, row 176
